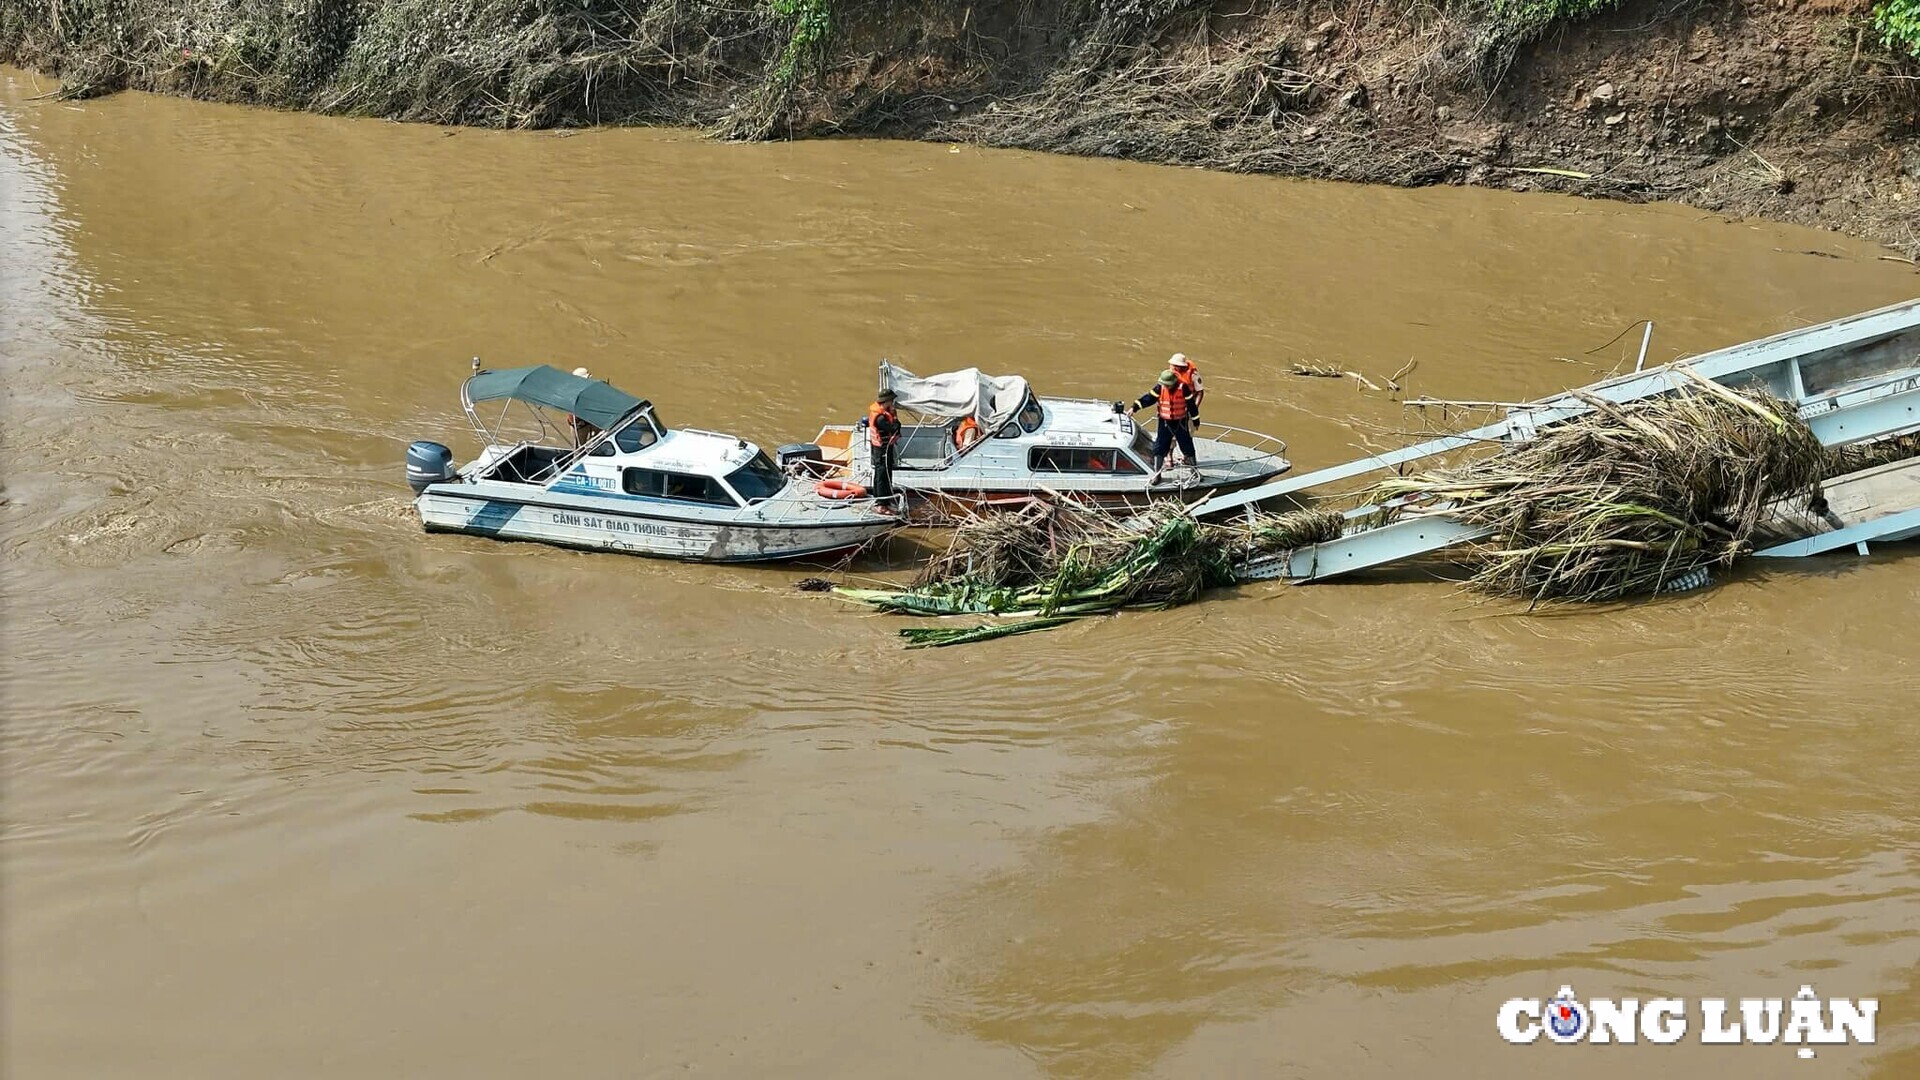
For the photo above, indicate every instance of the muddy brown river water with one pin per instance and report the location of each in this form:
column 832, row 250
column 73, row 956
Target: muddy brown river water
column 292, row 789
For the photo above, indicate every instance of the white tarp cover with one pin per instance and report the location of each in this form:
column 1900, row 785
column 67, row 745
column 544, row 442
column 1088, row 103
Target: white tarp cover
column 987, row 398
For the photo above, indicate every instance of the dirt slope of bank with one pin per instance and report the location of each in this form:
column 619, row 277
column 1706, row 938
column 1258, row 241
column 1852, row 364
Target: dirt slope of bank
column 1786, row 110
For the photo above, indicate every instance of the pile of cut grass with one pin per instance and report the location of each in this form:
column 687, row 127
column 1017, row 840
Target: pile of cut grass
column 1854, row 458
column 1049, row 565
column 1626, row 499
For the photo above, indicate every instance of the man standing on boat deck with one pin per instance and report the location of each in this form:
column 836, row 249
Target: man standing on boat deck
column 583, row 432
column 883, row 431
column 1189, row 377
column 1174, row 405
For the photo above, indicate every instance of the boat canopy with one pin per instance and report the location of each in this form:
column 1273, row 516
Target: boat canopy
column 990, row 399
column 596, row 402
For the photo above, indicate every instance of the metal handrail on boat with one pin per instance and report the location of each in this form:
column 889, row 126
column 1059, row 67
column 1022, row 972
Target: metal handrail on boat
column 1263, row 446
column 1232, row 436
column 788, row 508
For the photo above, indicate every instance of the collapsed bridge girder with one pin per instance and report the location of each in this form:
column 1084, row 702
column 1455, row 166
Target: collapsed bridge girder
column 1854, row 380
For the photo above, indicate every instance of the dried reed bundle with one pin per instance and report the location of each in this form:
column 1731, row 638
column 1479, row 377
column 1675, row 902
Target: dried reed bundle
column 1625, row 499
column 1860, row 456
column 1054, row 564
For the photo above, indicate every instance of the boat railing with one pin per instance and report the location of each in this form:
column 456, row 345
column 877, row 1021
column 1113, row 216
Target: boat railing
column 1263, row 447
column 491, row 434
column 1262, row 444
column 547, row 433
column 480, row 466
column 783, row 509
column 990, row 471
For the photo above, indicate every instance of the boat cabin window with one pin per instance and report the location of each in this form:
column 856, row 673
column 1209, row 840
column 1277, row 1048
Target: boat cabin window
column 638, row 435
column 682, row 487
column 757, row 479
column 1031, row 414
column 1080, row 459
column 1142, row 442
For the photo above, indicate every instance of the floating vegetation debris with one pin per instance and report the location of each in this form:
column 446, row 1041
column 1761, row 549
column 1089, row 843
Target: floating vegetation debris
column 1318, row 371
column 1274, row 533
column 1631, row 499
column 1849, row 459
column 1048, row 565
column 1627, row 499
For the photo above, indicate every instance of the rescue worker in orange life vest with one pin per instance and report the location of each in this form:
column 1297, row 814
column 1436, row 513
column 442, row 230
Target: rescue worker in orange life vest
column 1189, row 377
column 1174, row 405
column 883, row 430
column 583, row 432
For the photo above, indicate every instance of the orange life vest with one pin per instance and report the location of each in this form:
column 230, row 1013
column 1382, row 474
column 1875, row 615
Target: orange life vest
column 874, row 412
column 1173, row 403
column 1187, row 376
column 966, row 434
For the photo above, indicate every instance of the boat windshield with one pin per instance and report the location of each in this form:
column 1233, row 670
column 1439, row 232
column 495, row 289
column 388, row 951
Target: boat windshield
column 1142, row 442
column 1030, row 414
column 757, row 479
column 638, row 435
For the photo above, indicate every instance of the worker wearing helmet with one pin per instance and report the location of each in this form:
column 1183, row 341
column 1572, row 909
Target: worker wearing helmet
column 1173, row 405
column 1189, row 377
column 583, row 432
column 883, row 431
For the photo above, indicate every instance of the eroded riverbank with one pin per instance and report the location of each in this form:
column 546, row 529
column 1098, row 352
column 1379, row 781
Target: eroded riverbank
column 1792, row 112
column 293, row 789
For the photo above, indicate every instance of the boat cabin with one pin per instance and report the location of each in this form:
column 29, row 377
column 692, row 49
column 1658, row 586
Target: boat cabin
column 974, row 423
column 612, row 477
column 1051, row 436
column 970, row 436
column 643, row 459
column 613, row 445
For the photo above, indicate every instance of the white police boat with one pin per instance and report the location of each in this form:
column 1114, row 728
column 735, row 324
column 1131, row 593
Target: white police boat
column 969, row 440
column 614, row 478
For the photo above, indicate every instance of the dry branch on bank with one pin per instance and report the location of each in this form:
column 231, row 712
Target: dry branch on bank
column 500, row 63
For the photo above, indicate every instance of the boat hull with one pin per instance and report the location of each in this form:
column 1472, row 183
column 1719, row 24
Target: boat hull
column 933, row 498
column 1000, row 471
column 936, row 507
column 598, row 528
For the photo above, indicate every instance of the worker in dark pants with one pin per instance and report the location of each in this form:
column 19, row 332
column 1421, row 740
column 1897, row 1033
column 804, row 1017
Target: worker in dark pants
column 1172, row 400
column 883, row 431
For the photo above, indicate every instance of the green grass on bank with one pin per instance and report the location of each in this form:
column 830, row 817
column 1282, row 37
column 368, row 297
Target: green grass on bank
column 1899, row 24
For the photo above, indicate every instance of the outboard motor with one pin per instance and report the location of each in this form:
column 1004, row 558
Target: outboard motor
column 429, row 463
column 801, row 458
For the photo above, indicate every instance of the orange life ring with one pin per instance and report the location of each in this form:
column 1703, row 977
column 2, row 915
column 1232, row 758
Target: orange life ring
column 966, row 434
column 839, row 489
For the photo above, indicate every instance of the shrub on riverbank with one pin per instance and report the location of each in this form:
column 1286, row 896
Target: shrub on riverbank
column 1899, row 24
